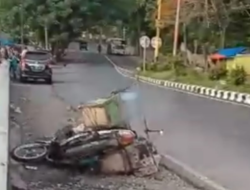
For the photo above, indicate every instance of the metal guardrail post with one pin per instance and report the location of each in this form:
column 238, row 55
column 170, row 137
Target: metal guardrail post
column 4, row 125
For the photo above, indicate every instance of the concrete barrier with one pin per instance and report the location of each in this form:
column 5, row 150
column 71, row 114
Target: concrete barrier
column 4, row 124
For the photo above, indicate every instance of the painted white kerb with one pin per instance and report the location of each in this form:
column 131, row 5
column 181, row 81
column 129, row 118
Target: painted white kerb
column 4, row 124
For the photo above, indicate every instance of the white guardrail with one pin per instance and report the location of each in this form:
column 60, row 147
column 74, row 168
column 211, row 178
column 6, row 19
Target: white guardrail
column 4, row 124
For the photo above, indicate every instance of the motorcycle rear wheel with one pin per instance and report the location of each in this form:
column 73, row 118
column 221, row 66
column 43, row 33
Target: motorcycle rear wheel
column 32, row 152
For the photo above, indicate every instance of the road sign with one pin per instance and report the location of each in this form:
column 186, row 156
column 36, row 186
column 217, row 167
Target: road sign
column 156, row 42
column 145, row 41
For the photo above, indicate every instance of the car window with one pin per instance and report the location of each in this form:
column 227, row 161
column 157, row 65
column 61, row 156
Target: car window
column 83, row 43
column 123, row 42
column 40, row 56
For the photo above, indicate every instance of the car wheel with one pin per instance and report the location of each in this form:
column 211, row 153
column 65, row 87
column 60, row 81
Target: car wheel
column 49, row 80
column 22, row 79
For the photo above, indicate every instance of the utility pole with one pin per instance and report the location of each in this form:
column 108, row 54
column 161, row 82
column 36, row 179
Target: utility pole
column 158, row 29
column 46, row 40
column 100, row 35
column 124, row 33
column 22, row 23
column 176, row 30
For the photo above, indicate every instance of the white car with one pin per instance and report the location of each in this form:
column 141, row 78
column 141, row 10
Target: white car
column 118, row 51
column 116, row 46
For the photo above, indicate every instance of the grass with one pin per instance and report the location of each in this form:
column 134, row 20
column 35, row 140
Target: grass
column 197, row 79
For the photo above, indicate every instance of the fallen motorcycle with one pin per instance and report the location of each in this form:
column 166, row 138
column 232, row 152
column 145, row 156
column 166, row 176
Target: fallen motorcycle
column 70, row 147
column 77, row 149
column 107, row 127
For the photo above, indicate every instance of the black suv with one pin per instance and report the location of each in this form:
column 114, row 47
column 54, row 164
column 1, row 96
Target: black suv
column 35, row 65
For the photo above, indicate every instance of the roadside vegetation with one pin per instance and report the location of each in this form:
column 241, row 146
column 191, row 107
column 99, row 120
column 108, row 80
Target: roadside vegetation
column 63, row 20
column 205, row 28
column 219, row 78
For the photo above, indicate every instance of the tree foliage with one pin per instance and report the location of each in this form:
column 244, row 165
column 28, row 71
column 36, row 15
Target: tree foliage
column 217, row 22
column 220, row 23
column 65, row 20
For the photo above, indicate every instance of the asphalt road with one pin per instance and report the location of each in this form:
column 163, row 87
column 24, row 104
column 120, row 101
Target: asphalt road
column 211, row 137
column 38, row 109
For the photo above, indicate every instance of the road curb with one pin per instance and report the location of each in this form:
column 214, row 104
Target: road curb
column 223, row 95
column 4, row 125
column 211, row 92
column 188, row 174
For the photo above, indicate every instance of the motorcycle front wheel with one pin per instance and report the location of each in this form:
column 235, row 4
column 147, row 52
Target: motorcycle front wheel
column 32, row 152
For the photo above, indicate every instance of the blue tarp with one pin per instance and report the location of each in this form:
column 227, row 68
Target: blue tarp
column 231, row 52
column 6, row 42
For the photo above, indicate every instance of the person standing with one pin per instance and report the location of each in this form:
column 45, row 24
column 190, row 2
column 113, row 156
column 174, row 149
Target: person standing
column 24, row 51
column 99, row 48
column 14, row 61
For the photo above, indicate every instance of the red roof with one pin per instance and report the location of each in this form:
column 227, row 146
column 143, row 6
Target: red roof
column 217, row 56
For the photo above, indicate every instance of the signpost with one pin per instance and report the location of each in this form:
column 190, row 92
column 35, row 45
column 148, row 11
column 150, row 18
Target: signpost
column 156, row 42
column 145, row 43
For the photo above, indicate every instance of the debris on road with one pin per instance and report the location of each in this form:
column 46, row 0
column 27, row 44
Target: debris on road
column 31, row 167
column 15, row 108
column 17, row 182
column 24, row 99
column 14, row 124
column 12, row 106
column 18, row 110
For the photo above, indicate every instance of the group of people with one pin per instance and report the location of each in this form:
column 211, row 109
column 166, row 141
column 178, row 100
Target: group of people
column 13, row 54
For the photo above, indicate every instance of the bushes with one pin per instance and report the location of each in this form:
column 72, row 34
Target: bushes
column 174, row 69
column 217, row 73
column 237, row 76
column 178, row 67
column 156, row 67
column 170, row 63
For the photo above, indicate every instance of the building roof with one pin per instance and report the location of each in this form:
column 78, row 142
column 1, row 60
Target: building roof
column 231, row 52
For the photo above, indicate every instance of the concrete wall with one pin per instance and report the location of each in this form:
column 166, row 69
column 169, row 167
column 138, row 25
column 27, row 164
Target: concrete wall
column 4, row 124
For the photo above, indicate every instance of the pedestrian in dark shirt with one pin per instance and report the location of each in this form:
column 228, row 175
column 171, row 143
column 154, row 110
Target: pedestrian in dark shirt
column 14, row 61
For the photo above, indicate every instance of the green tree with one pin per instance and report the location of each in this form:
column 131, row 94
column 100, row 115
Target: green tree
column 65, row 20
